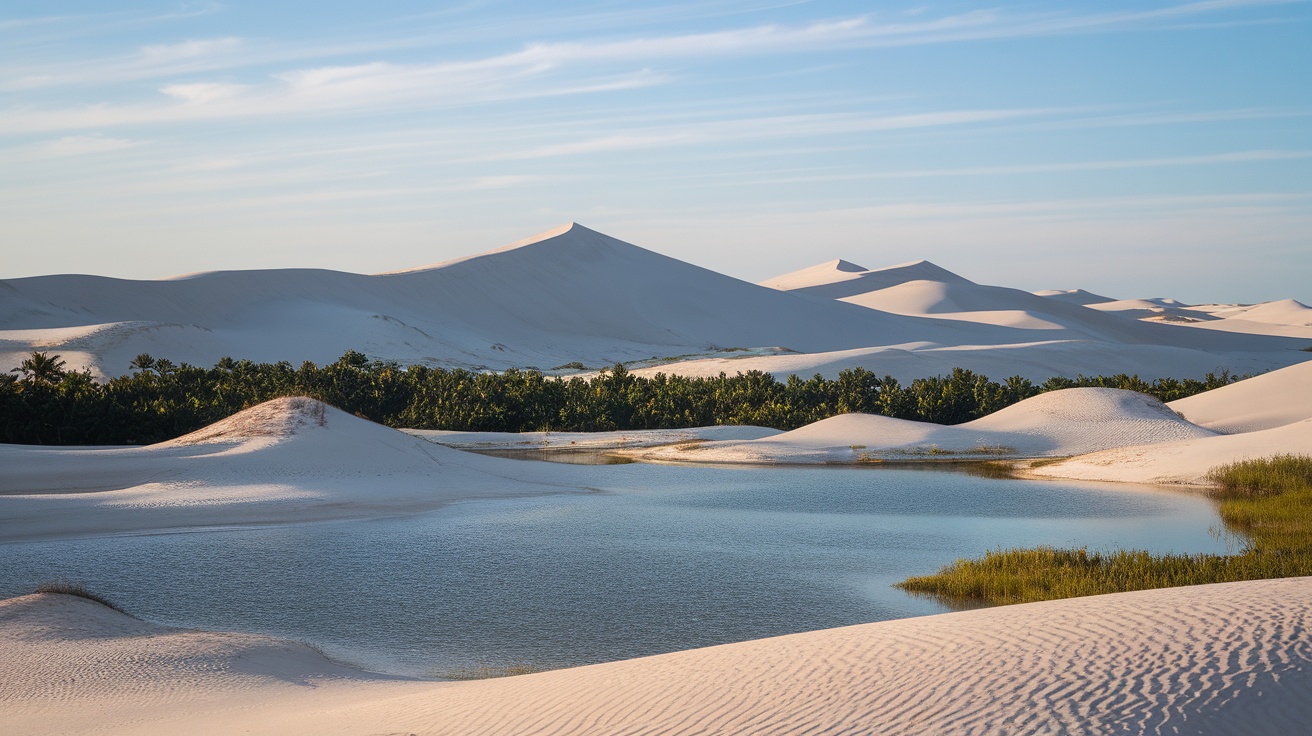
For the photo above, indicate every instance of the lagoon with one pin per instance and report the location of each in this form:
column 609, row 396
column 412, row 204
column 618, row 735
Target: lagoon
column 655, row 559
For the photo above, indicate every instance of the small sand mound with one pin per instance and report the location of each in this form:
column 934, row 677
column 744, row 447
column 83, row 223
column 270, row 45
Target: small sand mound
column 1282, row 312
column 1079, row 420
column 62, row 650
column 1059, row 423
column 1082, row 405
column 279, row 419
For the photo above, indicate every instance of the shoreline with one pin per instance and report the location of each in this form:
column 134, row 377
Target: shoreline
column 1213, row 656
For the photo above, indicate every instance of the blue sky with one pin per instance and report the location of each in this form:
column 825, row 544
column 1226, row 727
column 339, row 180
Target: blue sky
column 1137, row 149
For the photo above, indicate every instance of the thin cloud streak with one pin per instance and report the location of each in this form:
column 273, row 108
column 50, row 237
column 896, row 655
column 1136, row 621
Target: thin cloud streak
column 855, row 32
column 74, row 145
column 1141, row 163
column 770, row 127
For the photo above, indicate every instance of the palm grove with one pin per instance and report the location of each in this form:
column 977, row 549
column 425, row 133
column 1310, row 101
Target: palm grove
column 41, row 402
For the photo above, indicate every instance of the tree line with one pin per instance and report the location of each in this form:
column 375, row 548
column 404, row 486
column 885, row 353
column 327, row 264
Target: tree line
column 43, row 403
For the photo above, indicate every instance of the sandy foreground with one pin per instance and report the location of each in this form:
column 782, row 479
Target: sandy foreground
column 1216, row 659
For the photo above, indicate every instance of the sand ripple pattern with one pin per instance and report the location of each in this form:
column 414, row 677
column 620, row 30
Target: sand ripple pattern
column 1216, row 659
column 1210, row 659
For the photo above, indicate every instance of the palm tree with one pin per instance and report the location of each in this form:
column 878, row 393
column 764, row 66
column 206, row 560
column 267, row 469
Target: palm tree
column 143, row 362
column 41, row 368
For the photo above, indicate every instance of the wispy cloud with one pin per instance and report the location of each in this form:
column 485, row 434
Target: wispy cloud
column 73, row 145
column 1236, row 157
column 865, row 31
column 786, row 126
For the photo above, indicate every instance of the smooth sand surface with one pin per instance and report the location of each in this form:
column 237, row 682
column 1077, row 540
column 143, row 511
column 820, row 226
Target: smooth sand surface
column 284, row 461
column 1057, row 423
column 1262, row 402
column 1234, row 658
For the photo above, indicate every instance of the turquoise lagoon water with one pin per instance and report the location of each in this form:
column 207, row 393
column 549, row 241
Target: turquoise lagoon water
column 663, row 558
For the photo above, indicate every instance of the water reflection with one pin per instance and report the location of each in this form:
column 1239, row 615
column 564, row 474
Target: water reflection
column 667, row 558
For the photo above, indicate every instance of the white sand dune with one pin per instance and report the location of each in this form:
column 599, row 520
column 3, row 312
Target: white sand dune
column 575, row 296
column 996, row 305
column 1238, row 325
column 1282, row 318
column 1037, row 361
column 1063, row 336
column 1074, row 296
column 1285, row 318
column 1154, row 310
column 924, row 289
column 1185, row 462
column 567, row 295
column 1262, row 402
column 841, row 279
column 286, row 460
column 1233, row 658
column 1282, row 312
column 1057, row 423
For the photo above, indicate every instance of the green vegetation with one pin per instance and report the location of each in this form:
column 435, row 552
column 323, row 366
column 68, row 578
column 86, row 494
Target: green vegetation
column 65, row 587
column 487, row 672
column 159, row 400
column 1267, row 504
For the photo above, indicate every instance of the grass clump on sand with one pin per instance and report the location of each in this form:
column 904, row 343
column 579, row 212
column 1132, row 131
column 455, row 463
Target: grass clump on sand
column 487, row 672
column 1266, row 503
column 65, row 587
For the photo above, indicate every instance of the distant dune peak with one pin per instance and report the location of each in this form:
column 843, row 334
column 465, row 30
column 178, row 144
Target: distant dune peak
column 568, row 237
column 1075, row 296
column 569, row 228
column 839, row 278
column 846, row 266
column 922, row 270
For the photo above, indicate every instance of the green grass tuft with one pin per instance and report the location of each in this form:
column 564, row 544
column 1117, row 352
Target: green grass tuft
column 1266, row 503
column 66, row 587
column 487, row 672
